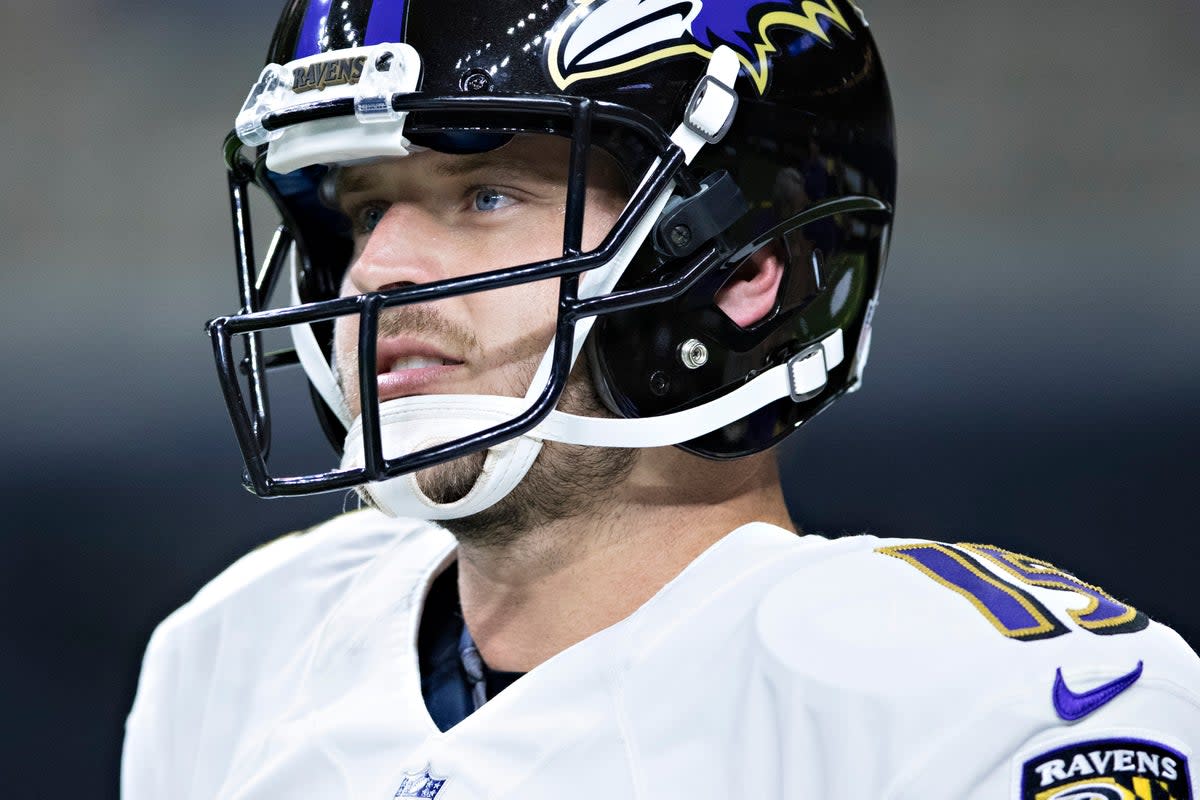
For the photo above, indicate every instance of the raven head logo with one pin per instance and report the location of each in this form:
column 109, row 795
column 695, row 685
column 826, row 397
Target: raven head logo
column 599, row 38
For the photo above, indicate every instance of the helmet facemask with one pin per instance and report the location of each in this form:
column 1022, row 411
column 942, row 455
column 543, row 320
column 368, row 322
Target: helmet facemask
column 641, row 269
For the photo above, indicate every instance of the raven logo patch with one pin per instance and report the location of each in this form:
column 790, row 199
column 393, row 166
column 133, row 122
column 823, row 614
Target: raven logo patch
column 602, row 38
column 1107, row 769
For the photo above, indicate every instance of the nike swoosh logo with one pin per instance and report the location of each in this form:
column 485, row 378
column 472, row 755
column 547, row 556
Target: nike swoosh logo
column 1072, row 706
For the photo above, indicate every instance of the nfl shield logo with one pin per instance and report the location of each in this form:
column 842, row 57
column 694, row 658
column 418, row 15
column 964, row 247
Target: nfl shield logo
column 419, row 784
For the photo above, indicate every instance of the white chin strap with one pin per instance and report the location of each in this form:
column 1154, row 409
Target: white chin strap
column 411, row 424
column 407, row 427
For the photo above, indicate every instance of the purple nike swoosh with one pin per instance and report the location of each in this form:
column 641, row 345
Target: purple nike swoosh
column 1073, row 706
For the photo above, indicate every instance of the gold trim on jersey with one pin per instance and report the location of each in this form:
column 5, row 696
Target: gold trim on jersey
column 1035, row 565
column 1044, row 623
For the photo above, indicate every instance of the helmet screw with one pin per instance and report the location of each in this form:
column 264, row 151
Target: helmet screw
column 475, row 81
column 659, row 383
column 681, row 235
column 693, row 354
column 384, row 62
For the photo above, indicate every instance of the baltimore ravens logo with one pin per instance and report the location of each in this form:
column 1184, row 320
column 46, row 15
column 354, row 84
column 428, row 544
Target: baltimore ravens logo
column 1107, row 769
column 600, row 38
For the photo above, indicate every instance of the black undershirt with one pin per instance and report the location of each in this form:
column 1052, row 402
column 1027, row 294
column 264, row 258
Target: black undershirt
column 444, row 681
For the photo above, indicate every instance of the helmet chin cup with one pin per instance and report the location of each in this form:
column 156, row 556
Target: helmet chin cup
column 411, row 424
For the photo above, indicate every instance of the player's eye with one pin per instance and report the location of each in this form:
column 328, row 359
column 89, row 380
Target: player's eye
column 368, row 217
column 487, row 199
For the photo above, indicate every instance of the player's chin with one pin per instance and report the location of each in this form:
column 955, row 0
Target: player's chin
column 453, row 480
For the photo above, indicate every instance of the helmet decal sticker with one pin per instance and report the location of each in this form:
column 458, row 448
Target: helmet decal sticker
column 600, row 38
column 333, row 25
column 385, row 23
column 335, row 72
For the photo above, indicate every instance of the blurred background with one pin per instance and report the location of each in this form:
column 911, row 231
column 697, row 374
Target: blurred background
column 1033, row 382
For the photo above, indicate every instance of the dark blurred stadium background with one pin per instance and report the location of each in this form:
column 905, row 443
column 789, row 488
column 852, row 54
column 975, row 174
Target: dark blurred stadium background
column 1033, row 384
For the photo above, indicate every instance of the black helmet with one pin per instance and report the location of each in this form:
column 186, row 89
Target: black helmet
column 739, row 125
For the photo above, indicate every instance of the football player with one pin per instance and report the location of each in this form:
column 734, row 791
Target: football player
column 560, row 273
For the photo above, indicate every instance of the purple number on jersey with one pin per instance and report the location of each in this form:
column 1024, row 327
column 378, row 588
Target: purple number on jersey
column 1011, row 609
column 1103, row 614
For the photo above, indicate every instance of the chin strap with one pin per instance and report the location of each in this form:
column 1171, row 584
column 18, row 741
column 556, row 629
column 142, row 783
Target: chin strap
column 410, row 424
column 406, row 425
column 318, row 370
column 804, row 376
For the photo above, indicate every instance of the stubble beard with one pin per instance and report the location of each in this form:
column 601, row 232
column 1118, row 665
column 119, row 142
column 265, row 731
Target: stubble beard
column 565, row 482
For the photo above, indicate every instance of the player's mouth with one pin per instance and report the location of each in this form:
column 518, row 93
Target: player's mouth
column 408, row 367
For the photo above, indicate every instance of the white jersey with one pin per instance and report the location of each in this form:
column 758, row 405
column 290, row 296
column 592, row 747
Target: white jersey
column 774, row 666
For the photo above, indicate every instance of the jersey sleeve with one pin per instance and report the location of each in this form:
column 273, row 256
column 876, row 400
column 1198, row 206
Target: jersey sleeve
column 1095, row 733
column 926, row 677
column 148, row 755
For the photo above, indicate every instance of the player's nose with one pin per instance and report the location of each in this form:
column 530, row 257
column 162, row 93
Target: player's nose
column 402, row 249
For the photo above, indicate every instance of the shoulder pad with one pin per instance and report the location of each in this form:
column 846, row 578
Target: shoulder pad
column 887, row 611
column 303, row 563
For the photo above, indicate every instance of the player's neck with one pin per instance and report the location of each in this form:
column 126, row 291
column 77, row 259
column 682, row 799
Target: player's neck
column 569, row 579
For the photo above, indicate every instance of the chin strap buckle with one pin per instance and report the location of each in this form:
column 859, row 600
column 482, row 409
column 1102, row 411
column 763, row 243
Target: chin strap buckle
column 808, row 370
column 712, row 108
column 711, row 111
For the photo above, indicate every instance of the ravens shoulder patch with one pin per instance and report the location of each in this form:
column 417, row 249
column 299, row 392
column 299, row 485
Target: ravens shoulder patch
column 1107, row 769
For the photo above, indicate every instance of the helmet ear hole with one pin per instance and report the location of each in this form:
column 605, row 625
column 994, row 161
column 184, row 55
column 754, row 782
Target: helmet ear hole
column 752, row 292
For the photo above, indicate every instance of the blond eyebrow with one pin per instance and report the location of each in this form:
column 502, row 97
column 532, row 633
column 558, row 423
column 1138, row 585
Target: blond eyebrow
column 348, row 182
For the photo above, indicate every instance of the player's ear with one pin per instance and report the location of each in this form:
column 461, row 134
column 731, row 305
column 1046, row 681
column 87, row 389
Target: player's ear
column 750, row 294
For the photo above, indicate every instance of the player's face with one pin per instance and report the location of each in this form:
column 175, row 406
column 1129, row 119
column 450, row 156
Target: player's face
column 432, row 216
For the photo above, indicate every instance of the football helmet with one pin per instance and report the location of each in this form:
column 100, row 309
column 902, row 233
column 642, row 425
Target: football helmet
column 740, row 125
